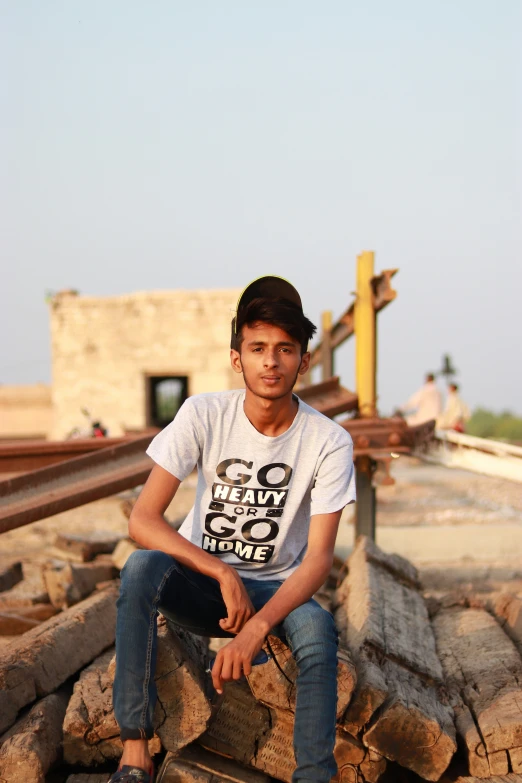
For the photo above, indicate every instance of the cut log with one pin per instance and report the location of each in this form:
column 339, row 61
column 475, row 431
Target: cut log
column 370, row 693
column 24, row 617
column 262, row 737
column 498, row 763
column 375, row 612
column 373, row 766
column 275, row 685
column 400, row 702
column 91, row 734
column 33, row 744
column 31, row 590
column 483, row 665
column 122, row 552
column 475, row 749
column 515, row 758
column 38, row 612
column 15, row 624
column 86, row 546
column 458, row 775
column 412, row 726
column 89, row 724
column 182, row 711
column 194, row 764
column 69, row 583
column 10, row 576
column 400, row 568
column 508, row 610
column 43, row 658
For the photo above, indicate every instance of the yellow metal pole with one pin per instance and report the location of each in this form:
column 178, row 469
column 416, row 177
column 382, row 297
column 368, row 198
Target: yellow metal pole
column 326, row 348
column 365, row 373
column 365, row 342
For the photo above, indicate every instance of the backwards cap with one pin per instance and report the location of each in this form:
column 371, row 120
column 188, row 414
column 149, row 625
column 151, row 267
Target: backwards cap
column 268, row 287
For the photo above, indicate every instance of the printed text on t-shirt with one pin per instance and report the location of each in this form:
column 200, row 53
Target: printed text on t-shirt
column 246, row 501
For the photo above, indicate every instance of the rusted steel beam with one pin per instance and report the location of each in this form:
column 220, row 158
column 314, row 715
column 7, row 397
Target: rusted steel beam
column 25, row 455
column 43, row 493
column 328, row 397
column 378, row 438
column 343, row 328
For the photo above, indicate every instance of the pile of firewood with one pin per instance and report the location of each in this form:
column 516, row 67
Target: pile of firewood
column 413, row 688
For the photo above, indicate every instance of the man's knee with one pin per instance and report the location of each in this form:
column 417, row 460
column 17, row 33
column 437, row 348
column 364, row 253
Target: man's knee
column 311, row 628
column 145, row 569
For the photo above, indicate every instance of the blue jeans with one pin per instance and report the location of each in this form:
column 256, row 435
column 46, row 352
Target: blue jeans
column 153, row 581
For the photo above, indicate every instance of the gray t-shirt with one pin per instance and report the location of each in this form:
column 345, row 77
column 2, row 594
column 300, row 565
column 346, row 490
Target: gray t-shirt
column 255, row 494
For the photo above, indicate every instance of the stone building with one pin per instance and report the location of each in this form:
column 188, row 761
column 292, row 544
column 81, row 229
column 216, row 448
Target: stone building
column 25, row 411
column 131, row 360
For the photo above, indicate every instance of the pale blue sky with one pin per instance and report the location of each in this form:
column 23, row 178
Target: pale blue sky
column 162, row 145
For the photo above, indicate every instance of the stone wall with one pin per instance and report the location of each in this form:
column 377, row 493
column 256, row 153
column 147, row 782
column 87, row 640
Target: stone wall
column 104, row 349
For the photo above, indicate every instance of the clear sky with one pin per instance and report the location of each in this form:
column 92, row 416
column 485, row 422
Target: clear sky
column 169, row 144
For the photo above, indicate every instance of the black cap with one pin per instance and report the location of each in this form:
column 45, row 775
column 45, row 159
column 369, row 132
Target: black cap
column 269, row 287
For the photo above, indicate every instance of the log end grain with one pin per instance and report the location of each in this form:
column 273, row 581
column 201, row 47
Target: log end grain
column 34, row 743
column 408, row 737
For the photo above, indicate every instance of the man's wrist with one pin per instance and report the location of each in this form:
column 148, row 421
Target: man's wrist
column 224, row 572
column 259, row 625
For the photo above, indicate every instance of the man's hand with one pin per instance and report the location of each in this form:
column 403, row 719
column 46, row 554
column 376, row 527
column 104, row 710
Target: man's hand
column 239, row 606
column 236, row 657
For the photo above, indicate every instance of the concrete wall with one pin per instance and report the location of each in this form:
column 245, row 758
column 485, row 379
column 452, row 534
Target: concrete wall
column 103, row 349
column 25, row 411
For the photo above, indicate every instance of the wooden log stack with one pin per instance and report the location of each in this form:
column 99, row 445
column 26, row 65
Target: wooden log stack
column 400, row 708
column 408, row 685
column 483, row 670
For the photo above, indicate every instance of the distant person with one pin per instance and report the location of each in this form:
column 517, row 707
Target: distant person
column 424, row 405
column 456, row 413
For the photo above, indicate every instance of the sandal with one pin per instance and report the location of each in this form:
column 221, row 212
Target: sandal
column 128, row 774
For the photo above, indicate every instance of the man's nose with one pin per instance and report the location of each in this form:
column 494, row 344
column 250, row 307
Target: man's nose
column 271, row 359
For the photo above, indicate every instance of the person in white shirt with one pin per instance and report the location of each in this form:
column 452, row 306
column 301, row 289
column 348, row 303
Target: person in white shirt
column 273, row 477
column 456, row 412
column 425, row 405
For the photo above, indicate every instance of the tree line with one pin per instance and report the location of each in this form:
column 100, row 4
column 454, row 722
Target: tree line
column 498, row 426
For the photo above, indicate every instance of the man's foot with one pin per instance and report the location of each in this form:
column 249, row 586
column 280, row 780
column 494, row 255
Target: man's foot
column 128, row 774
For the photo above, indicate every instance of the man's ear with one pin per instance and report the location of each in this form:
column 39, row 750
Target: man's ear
column 305, row 363
column 235, row 361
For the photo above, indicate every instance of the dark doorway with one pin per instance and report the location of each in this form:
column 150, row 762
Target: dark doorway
column 165, row 395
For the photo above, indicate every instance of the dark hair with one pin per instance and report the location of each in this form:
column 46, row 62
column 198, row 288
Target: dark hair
column 430, row 377
column 453, row 385
column 277, row 312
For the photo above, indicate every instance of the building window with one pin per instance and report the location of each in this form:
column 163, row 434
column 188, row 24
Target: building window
column 166, row 394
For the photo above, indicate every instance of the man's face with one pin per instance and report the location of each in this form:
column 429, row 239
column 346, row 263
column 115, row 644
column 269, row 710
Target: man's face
column 270, row 360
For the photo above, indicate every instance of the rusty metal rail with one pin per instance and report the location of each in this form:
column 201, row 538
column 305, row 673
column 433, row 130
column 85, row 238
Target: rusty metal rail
column 42, row 493
column 25, row 455
column 380, row 438
column 329, row 397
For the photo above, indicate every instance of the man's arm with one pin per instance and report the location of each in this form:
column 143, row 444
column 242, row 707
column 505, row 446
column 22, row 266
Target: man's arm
column 147, row 526
column 235, row 658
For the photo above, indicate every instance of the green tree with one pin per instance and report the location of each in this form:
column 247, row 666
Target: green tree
column 498, row 426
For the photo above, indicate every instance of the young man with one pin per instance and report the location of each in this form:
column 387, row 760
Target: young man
column 273, row 478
